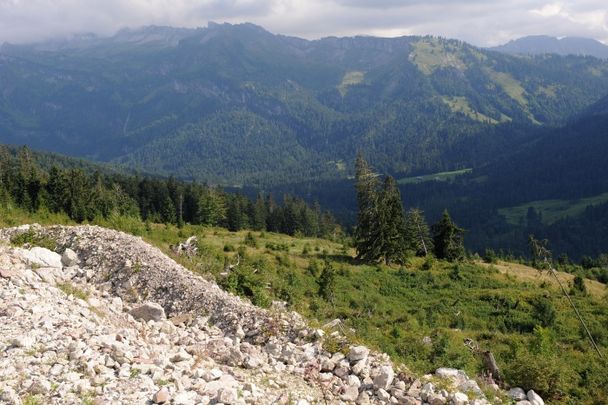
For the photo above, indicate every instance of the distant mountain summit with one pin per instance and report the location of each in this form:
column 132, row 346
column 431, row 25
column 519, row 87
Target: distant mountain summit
column 543, row 44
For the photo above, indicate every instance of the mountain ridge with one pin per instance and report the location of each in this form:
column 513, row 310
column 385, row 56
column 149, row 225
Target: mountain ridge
column 409, row 101
column 544, row 44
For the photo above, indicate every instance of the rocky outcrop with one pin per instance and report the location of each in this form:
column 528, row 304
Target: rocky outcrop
column 114, row 320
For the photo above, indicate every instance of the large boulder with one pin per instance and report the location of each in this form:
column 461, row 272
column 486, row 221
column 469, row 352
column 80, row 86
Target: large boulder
column 148, row 311
column 41, row 257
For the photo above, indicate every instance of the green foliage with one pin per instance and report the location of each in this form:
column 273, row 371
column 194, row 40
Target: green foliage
column 489, row 256
column 69, row 289
column 86, row 194
column 307, row 113
column 32, row 238
column 417, row 234
column 448, row 239
column 381, row 225
column 420, row 317
column 578, row 286
column 250, row 240
column 30, row 399
column 327, row 282
column 548, row 375
column 544, row 312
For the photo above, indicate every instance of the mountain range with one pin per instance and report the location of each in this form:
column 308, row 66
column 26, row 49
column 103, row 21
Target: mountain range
column 543, row 44
column 237, row 105
column 511, row 145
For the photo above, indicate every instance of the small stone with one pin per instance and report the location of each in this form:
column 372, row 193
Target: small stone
column 436, row 399
column 383, row 395
column 227, row 395
column 7, row 273
column 357, row 353
column 216, row 373
column 445, row 372
column 23, row 341
column 385, row 377
column 350, row 394
column 517, row 394
column 182, row 355
column 69, row 258
column 149, row 311
column 460, row 398
column 161, row 396
column 534, row 398
column 185, row 398
column 427, row 390
column 332, row 324
column 39, row 387
column 353, row 381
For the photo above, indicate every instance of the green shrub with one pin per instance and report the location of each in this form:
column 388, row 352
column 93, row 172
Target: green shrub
column 428, row 263
column 250, row 240
column 546, row 375
column 489, row 256
column 32, row 238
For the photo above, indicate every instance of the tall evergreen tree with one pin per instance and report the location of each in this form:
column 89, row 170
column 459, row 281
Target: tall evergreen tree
column 259, row 214
column 448, row 239
column 391, row 221
column 29, row 181
column 367, row 233
column 57, row 190
column 417, row 234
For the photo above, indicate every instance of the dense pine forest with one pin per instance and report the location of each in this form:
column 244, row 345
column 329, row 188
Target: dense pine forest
column 85, row 192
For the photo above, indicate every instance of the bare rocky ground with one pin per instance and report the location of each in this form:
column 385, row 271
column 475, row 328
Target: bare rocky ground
column 112, row 320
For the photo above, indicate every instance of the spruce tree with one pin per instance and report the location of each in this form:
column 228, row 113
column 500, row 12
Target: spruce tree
column 391, row 221
column 327, row 282
column 367, row 233
column 448, row 239
column 417, row 234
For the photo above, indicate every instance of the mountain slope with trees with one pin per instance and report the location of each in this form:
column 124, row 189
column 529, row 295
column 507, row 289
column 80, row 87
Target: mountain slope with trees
column 196, row 103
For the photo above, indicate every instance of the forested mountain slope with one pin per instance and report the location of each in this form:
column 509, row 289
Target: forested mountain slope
column 235, row 104
column 561, row 173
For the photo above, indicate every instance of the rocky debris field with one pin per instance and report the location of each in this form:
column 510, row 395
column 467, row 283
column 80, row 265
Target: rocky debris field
column 105, row 318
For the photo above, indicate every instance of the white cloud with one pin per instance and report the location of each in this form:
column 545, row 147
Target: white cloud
column 476, row 21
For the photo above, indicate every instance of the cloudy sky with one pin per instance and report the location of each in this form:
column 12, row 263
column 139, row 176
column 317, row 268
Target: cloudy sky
column 481, row 22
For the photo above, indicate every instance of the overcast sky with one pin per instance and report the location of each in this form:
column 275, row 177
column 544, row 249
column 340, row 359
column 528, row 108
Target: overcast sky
column 479, row 22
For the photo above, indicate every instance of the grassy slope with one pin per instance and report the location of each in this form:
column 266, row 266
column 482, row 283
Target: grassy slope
column 394, row 309
column 552, row 210
column 442, row 176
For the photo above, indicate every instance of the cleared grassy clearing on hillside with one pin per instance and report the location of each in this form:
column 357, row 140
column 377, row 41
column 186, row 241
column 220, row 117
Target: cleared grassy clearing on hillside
column 441, row 176
column 552, row 210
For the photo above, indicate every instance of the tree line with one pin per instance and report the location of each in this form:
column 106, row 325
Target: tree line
column 85, row 195
column 385, row 232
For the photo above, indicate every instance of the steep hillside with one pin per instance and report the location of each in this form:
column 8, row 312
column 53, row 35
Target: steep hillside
column 198, row 103
column 214, row 345
column 561, row 173
column 543, row 44
column 76, row 325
